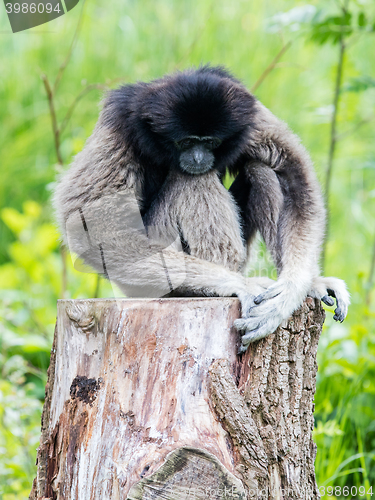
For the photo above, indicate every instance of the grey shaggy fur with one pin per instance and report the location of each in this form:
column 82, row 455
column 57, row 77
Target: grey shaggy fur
column 193, row 236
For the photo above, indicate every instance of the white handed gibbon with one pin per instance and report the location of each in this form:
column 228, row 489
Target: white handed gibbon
column 144, row 203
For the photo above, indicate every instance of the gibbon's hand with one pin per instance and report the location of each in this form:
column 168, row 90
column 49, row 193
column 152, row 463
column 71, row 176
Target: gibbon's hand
column 253, row 287
column 269, row 310
column 328, row 289
column 281, row 299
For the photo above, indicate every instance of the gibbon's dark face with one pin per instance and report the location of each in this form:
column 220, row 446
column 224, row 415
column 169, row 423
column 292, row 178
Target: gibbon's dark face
column 195, row 120
column 197, row 153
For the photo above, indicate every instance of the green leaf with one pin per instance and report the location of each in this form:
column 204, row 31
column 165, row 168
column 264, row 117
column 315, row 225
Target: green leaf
column 32, row 209
column 359, row 84
column 14, row 220
column 362, row 19
column 332, row 28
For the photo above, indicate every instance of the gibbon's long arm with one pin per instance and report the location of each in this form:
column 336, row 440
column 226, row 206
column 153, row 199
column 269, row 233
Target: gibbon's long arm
column 97, row 207
column 283, row 201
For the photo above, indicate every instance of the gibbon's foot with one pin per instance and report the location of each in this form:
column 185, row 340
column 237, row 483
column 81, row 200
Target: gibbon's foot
column 266, row 311
column 328, row 289
column 253, row 287
column 255, row 329
column 269, row 309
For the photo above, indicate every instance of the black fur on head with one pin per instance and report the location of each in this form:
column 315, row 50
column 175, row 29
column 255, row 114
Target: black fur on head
column 206, row 101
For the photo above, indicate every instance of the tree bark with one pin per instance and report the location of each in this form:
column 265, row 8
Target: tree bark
column 148, row 399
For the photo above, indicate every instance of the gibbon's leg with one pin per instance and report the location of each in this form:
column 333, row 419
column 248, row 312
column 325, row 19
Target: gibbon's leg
column 102, row 234
column 205, row 216
column 283, row 201
column 215, row 234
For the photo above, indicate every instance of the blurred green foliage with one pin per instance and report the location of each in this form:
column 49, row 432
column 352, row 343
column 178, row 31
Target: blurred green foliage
column 141, row 40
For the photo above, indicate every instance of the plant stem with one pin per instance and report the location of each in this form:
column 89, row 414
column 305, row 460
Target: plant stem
column 52, row 110
column 333, row 140
column 84, row 91
column 270, row 67
column 70, row 51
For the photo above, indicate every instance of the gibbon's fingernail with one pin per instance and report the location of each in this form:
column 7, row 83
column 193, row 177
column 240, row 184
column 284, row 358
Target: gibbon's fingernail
column 258, row 299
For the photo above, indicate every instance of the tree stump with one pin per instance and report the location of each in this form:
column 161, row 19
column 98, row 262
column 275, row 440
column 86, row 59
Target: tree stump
column 148, row 399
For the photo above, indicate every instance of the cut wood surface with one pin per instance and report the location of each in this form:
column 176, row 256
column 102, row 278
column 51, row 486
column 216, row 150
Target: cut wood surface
column 148, row 399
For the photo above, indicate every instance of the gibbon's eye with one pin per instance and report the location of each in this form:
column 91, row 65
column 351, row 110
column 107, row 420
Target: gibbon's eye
column 184, row 144
column 209, row 143
column 212, row 143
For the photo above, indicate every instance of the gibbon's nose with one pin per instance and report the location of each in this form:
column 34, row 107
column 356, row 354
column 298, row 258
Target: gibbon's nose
column 198, row 156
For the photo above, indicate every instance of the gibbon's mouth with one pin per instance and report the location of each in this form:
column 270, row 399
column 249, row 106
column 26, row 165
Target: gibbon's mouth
column 196, row 169
column 196, row 162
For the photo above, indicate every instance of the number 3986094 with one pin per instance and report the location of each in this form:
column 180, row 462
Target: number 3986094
column 32, row 8
column 345, row 491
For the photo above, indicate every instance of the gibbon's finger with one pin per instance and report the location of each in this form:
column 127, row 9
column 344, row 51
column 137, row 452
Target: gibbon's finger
column 270, row 293
column 329, row 301
column 338, row 315
column 257, row 334
column 249, row 324
column 247, row 303
column 265, row 310
column 342, row 307
column 245, row 324
column 240, row 324
column 340, row 311
column 255, row 322
column 337, row 288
